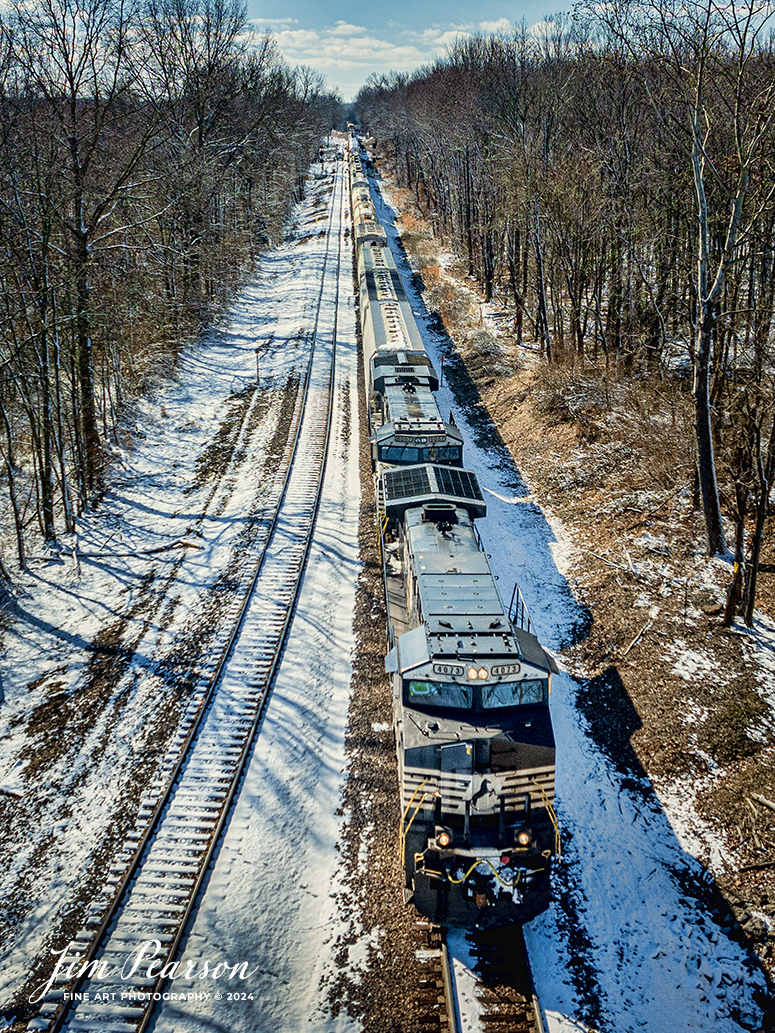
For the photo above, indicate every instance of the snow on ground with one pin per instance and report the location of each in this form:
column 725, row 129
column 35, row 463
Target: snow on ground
column 464, row 979
column 270, row 900
column 624, row 946
column 687, row 663
column 760, row 644
column 201, row 464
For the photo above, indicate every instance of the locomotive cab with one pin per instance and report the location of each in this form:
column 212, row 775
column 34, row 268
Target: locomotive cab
column 404, row 420
column 405, row 443
column 471, row 692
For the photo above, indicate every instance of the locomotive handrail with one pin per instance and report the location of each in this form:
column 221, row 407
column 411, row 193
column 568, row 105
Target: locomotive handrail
column 552, row 817
column 405, row 831
column 518, row 611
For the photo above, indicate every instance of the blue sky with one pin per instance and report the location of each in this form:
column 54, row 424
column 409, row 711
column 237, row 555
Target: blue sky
column 348, row 40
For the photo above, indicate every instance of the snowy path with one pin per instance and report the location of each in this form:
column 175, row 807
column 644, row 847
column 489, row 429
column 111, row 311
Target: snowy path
column 270, row 899
column 194, row 807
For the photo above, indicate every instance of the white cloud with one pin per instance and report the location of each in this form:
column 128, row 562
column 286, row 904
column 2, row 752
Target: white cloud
column 345, row 29
column 446, row 39
column 346, row 54
column 274, row 21
column 501, row 25
column 435, row 33
column 295, row 39
column 347, row 46
column 543, row 30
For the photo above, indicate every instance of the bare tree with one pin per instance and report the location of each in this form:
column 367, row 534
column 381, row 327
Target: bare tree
column 716, row 99
column 148, row 149
column 75, row 58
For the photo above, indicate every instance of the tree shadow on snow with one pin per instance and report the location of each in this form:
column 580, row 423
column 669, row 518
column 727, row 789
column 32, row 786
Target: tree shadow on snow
column 611, row 721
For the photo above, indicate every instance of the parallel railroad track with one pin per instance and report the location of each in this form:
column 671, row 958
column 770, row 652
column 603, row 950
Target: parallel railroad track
column 153, row 889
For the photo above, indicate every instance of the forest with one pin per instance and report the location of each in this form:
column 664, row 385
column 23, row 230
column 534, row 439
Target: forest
column 148, row 150
column 609, row 175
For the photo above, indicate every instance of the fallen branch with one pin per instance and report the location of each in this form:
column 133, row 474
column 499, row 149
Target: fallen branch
column 616, row 566
column 755, row 867
column 763, row 801
column 629, row 560
column 651, row 515
column 638, row 637
column 180, row 543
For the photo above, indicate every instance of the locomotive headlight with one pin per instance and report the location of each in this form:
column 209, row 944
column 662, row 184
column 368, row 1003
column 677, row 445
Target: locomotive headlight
column 443, row 838
column 524, row 837
column 482, row 673
column 473, row 674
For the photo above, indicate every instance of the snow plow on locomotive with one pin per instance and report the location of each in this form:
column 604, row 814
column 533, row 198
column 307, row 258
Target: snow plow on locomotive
column 470, row 682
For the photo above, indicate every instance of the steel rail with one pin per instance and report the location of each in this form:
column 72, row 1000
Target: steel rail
column 136, row 862
column 450, row 997
column 528, row 1015
column 291, row 613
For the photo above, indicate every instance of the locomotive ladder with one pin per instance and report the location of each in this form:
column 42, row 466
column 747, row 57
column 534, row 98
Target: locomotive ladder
column 152, row 894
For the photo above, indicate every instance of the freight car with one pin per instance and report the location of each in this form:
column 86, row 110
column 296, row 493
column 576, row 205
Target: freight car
column 470, row 680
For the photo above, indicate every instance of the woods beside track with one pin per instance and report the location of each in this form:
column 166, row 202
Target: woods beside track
column 148, row 151
column 609, row 175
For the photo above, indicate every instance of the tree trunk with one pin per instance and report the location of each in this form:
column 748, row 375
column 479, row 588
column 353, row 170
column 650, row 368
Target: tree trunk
column 543, row 315
column 10, row 470
column 85, row 368
column 766, row 471
column 737, row 585
column 46, row 430
column 706, row 466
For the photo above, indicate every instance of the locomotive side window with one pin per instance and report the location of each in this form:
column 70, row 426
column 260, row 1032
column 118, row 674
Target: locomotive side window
column 513, row 694
column 440, row 694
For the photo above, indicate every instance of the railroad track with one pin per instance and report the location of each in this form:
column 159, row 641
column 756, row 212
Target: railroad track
column 436, row 1005
column 106, row 980
column 505, row 998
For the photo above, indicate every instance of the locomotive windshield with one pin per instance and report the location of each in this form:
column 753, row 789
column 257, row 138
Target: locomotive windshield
column 441, row 694
column 438, row 454
column 487, row 697
column 514, row 694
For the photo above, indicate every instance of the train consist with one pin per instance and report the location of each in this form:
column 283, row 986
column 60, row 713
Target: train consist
column 470, row 680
